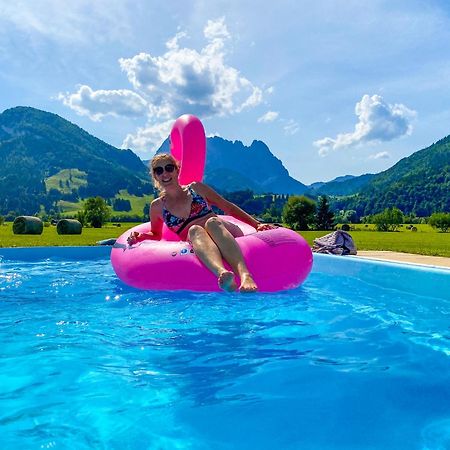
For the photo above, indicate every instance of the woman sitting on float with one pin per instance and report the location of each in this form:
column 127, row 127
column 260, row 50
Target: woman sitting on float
column 186, row 210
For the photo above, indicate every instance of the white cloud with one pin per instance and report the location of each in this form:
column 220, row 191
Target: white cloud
column 269, row 116
column 378, row 122
column 380, row 155
column 182, row 80
column 216, row 29
column 254, row 99
column 186, row 80
column 98, row 104
column 291, row 127
column 147, row 139
column 172, row 44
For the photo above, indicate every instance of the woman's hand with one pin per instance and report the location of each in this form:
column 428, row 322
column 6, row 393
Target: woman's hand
column 136, row 237
column 265, row 226
column 133, row 238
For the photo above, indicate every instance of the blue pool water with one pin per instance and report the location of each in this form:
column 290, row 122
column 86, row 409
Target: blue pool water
column 356, row 358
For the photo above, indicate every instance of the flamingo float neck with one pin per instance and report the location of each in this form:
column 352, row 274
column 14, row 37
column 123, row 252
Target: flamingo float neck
column 188, row 146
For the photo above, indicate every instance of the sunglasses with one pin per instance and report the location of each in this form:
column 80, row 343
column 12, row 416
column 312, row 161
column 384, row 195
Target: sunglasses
column 160, row 170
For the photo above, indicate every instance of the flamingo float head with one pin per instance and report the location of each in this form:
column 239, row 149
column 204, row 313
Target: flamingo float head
column 188, row 145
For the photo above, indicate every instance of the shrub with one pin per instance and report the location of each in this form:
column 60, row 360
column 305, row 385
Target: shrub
column 440, row 221
column 388, row 220
column 95, row 212
column 127, row 218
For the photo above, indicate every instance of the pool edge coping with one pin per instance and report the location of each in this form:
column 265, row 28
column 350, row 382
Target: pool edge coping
column 401, row 263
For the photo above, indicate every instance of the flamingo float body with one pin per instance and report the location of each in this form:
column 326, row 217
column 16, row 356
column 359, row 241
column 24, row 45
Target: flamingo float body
column 278, row 259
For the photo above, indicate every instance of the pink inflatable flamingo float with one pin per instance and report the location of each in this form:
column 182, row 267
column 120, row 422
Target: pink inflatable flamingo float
column 278, row 259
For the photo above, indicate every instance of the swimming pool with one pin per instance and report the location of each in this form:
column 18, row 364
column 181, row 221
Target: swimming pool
column 358, row 357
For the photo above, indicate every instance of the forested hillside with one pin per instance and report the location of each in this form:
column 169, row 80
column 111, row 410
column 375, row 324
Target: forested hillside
column 346, row 185
column 418, row 184
column 37, row 146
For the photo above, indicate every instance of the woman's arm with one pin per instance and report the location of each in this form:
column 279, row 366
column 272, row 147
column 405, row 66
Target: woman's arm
column 227, row 207
column 156, row 223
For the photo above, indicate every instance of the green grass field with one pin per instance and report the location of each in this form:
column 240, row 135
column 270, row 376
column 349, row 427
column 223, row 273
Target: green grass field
column 137, row 204
column 50, row 237
column 425, row 241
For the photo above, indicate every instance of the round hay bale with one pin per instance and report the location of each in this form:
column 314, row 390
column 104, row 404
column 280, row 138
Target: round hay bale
column 27, row 225
column 69, row 226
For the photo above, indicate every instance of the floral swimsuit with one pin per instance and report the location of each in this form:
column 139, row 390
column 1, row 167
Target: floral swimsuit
column 199, row 208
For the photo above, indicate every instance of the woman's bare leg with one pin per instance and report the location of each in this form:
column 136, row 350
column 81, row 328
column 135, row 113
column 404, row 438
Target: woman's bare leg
column 231, row 252
column 208, row 252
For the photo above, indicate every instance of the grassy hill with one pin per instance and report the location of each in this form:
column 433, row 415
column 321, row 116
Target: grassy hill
column 66, row 181
column 138, row 203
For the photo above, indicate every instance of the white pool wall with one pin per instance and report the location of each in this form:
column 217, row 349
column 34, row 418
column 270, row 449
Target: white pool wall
column 416, row 279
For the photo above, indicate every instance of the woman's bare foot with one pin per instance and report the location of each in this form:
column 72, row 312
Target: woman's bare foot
column 226, row 281
column 247, row 284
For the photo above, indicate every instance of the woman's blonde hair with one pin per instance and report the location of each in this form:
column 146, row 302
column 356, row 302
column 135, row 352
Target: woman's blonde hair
column 155, row 162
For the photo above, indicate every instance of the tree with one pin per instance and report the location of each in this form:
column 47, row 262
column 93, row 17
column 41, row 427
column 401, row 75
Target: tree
column 53, row 197
column 346, row 216
column 146, row 211
column 388, row 220
column 254, row 206
column 239, row 198
column 272, row 214
column 121, row 204
column 299, row 212
column 95, row 212
column 324, row 217
column 440, row 221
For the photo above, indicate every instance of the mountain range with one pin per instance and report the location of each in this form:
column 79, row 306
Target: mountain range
column 232, row 166
column 344, row 185
column 45, row 158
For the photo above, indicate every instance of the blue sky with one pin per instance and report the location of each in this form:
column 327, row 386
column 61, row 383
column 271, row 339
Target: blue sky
column 332, row 87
